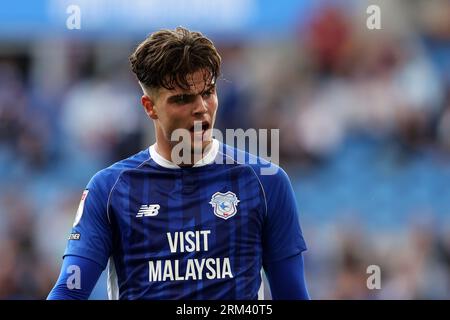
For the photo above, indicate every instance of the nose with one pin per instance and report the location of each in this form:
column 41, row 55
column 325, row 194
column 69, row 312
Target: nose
column 200, row 106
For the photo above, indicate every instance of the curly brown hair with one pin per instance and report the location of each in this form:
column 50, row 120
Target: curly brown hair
column 167, row 58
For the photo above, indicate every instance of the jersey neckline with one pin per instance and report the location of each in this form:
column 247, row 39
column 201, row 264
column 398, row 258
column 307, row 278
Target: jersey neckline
column 209, row 158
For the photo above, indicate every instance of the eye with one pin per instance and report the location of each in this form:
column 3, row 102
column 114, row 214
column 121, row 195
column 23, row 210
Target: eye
column 207, row 93
column 181, row 99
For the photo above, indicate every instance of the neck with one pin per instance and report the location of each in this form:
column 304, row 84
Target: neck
column 165, row 151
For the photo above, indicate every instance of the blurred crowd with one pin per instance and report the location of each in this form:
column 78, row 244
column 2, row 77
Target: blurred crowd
column 364, row 119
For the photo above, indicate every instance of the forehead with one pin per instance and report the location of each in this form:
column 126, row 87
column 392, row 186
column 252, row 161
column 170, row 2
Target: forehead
column 198, row 81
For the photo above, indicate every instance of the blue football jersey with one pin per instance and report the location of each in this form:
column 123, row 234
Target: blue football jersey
column 203, row 232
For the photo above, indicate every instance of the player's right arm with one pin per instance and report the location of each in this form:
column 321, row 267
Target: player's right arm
column 76, row 280
column 90, row 243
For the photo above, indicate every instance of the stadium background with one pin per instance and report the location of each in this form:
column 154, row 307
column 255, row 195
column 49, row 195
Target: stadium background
column 364, row 118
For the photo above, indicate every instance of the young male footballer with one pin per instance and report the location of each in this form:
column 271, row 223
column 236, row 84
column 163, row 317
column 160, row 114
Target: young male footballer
column 172, row 222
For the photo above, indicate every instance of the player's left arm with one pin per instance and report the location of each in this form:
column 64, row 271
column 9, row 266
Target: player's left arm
column 283, row 241
column 287, row 279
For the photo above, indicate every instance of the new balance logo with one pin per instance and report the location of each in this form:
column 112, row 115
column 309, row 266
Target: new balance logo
column 148, row 210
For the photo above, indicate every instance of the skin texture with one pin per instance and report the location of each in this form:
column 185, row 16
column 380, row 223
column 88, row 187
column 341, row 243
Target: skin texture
column 179, row 109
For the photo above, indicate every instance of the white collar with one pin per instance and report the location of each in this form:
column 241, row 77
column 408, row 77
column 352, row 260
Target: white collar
column 207, row 159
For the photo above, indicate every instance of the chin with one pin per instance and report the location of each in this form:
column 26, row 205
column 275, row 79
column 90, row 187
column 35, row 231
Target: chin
column 200, row 147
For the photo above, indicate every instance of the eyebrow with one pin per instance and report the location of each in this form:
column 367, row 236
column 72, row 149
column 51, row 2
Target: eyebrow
column 189, row 96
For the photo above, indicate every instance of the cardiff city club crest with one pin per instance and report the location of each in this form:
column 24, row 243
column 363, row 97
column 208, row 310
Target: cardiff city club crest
column 224, row 204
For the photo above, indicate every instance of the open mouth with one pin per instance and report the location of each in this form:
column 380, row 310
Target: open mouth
column 200, row 127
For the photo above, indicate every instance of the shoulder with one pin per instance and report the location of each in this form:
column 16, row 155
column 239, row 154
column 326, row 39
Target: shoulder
column 266, row 171
column 274, row 183
column 107, row 177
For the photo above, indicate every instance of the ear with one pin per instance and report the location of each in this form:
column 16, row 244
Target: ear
column 149, row 107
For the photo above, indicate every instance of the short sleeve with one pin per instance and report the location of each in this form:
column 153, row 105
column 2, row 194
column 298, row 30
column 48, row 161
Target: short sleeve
column 282, row 235
column 91, row 235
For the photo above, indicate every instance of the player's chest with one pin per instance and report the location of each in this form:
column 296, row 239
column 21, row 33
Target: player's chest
column 165, row 202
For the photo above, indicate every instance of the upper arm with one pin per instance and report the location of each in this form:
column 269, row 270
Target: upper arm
column 283, row 241
column 91, row 235
column 282, row 234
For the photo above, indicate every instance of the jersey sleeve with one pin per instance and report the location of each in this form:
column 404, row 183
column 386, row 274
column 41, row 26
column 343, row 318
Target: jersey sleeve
column 76, row 280
column 282, row 234
column 91, row 235
column 287, row 279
